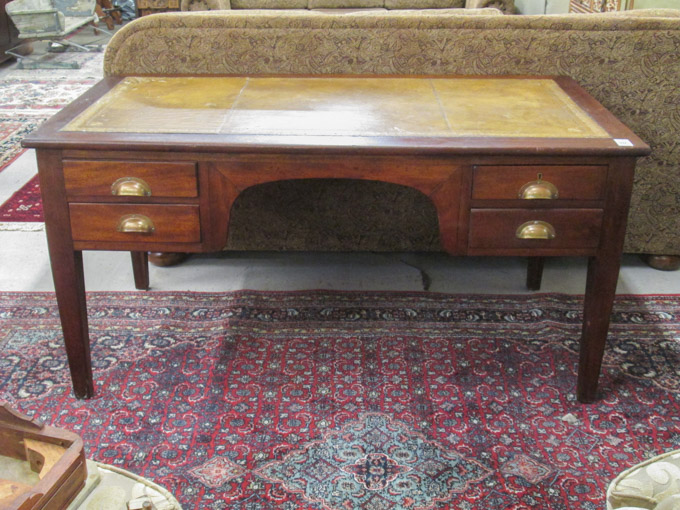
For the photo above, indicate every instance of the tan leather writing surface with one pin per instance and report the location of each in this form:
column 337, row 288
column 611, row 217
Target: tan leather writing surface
column 328, row 106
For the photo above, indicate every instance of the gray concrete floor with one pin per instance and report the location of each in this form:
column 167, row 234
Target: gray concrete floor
column 24, row 266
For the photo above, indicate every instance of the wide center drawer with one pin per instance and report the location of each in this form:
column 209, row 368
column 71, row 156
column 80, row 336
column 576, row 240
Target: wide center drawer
column 130, row 178
column 535, row 228
column 135, row 222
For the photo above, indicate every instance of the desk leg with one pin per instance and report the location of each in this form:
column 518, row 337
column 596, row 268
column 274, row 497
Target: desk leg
column 140, row 269
column 597, row 309
column 70, row 289
column 603, row 273
column 535, row 272
column 67, row 272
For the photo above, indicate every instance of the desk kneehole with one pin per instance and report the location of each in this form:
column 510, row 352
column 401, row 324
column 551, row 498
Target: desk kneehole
column 135, row 222
column 563, row 228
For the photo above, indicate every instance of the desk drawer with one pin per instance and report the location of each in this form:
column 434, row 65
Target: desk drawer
column 130, row 178
column 499, row 228
column 570, row 182
column 144, row 223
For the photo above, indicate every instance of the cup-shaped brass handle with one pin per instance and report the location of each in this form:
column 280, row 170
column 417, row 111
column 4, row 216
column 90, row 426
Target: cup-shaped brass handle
column 538, row 190
column 131, row 186
column 535, row 229
column 136, row 224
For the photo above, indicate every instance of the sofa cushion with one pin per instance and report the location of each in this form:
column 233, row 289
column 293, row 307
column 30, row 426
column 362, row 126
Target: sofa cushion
column 424, row 4
column 268, row 4
column 348, row 11
column 345, row 4
column 204, row 5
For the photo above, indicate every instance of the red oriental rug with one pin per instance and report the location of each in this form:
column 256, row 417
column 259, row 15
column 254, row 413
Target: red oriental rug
column 25, row 205
column 354, row 400
column 27, row 99
column 13, row 129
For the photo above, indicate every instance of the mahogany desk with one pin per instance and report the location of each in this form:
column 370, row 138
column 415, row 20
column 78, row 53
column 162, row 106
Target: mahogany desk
column 517, row 166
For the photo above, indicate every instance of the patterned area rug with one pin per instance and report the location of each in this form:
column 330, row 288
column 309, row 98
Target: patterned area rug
column 28, row 98
column 24, row 205
column 348, row 400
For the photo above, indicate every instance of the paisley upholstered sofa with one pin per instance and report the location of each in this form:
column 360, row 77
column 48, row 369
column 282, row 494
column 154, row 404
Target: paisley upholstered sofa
column 629, row 61
column 506, row 6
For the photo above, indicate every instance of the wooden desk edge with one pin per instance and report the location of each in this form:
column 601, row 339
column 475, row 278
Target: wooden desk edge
column 50, row 136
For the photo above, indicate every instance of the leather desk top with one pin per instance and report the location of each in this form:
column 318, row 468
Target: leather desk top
column 340, row 106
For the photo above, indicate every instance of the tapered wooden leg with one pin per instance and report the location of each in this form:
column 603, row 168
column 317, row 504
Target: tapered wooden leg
column 599, row 301
column 603, row 273
column 67, row 272
column 535, row 272
column 69, row 285
column 140, row 269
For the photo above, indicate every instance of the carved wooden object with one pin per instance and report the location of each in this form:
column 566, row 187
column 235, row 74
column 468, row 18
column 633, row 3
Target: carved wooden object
column 56, row 455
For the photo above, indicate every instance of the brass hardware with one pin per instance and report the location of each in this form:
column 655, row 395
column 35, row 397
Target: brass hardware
column 136, row 224
column 535, row 229
column 538, row 189
column 131, row 186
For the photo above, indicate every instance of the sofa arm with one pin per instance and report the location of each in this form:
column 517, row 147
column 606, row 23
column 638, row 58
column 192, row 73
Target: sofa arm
column 205, row 5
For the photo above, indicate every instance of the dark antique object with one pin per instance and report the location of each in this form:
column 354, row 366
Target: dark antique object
column 56, row 455
column 514, row 166
column 53, row 21
column 9, row 35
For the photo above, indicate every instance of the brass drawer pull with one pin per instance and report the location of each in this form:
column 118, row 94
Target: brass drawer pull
column 535, row 229
column 136, row 224
column 538, row 189
column 131, row 186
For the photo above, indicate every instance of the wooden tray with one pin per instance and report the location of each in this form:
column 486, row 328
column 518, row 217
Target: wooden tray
column 56, row 455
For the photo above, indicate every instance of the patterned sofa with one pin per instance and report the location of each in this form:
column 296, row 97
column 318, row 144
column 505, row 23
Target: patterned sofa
column 507, row 6
column 155, row 6
column 629, row 61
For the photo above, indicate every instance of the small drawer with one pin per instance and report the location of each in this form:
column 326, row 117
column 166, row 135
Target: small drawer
column 135, row 222
column 500, row 228
column 568, row 182
column 130, row 178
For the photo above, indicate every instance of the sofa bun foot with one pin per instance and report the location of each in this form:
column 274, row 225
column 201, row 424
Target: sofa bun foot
column 663, row 262
column 166, row 259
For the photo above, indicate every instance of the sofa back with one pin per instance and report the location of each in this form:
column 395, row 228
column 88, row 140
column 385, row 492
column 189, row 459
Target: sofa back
column 629, row 61
column 346, row 4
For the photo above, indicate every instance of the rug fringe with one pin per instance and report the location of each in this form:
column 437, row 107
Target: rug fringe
column 18, row 226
